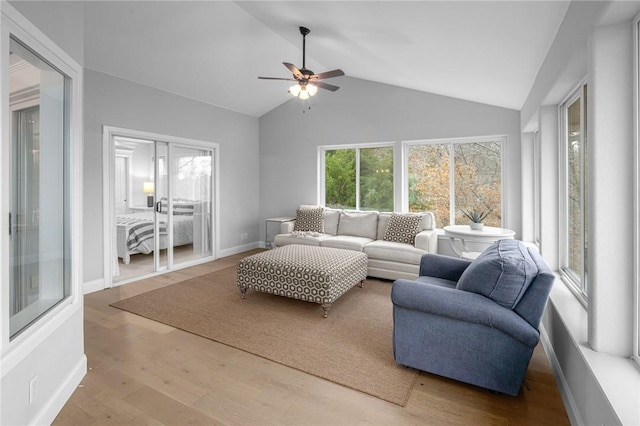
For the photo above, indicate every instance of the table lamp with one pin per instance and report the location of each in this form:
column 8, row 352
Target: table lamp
column 148, row 189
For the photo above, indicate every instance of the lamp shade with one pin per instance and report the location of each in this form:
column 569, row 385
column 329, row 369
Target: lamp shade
column 312, row 89
column 147, row 187
column 295, row 89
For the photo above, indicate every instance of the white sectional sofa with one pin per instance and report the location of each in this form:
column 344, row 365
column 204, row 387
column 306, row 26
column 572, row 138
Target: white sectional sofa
column 365, row 231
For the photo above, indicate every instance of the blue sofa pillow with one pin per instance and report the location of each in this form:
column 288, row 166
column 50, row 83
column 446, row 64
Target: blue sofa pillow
column 502, row 273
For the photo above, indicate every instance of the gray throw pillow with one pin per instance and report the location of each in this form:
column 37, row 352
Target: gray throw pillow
column 502, row 273
column 309, row 220
column 403, row 228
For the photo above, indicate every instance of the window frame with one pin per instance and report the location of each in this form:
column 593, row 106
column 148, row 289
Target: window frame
column 575, row 283
column 357, row 146
column 13, row 24
column 451, row 142
column 537, row 193
column 636, row 189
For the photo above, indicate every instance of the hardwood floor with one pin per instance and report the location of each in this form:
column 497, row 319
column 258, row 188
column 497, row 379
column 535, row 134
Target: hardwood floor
column 144, row 372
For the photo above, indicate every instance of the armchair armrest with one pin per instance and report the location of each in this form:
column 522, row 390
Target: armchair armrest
column 440, row 266
column 462, row 306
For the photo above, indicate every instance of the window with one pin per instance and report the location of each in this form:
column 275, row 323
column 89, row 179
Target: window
column 449, row 177
column 39, row 231
column 537, row 176
column 573, row 208
column 359, row 177
column 636, row 350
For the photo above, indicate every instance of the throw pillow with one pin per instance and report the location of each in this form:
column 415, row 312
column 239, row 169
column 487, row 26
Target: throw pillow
column 309, row 220
column 403, row 228
column 502, row 273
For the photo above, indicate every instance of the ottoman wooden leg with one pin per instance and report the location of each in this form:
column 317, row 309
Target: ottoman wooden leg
column 325, row 309
column 243, row 290
column 361, row 283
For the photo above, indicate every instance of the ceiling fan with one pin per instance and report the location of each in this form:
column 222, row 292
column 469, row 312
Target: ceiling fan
column 307, row 82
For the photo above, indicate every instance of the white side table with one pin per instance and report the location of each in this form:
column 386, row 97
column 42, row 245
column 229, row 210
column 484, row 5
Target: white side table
column 465, row 234
column 268, row 243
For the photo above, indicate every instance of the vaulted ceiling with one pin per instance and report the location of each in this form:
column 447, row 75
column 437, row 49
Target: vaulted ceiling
column 213, row 51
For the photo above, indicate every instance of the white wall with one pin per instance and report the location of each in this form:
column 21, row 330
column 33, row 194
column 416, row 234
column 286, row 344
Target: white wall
column 62, row 22
column 120, row 103
column 589, row 347
column 363, row 111
column 52, row 348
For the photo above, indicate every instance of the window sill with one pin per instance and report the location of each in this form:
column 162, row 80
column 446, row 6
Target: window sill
column 617, row 376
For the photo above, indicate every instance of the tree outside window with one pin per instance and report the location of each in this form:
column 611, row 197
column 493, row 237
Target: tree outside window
column 473, row 179
column 359, row 178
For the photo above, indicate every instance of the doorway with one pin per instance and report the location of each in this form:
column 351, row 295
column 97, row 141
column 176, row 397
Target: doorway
column 161, row 207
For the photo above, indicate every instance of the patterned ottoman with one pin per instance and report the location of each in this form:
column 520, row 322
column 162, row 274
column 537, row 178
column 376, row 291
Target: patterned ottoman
column 314, row 274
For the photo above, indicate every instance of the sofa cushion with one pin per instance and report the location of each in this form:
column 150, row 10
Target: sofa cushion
column 502, row 273
column 346, row 242
column 394, row 251
column 304, row 238
column 309, row 220
column 402, row 228
column 383, row 222
column 331, row 220
column 358, row 224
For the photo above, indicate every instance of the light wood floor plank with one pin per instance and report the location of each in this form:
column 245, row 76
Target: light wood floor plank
column 144, row 372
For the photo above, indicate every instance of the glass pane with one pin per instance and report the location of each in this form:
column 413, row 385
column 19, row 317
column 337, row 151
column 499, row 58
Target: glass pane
column 134, row 195
column 429, row 189
column 376, row 179
column 340, row 178
column 478, row 182
column 574, row 191
column 39, row 264
column 191, row 203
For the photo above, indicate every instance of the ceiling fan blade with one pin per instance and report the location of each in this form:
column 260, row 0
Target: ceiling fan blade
column 328, row 74
column 296, row 72
column 277, row 78
column 325, row 86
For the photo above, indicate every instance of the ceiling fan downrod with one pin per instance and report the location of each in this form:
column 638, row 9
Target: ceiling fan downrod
column 304, row 31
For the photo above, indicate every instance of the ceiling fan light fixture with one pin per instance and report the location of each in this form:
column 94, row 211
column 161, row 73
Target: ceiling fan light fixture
column 295, row 89
column 304, row 94
column 307, row 81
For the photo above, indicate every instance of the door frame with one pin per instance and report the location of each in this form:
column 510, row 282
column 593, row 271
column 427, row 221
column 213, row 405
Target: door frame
column 108, row 196
column 126, row 155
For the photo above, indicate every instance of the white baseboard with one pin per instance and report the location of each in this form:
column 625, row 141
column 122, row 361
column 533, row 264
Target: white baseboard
column 563, row 386
column 93, row 286
column 239, row 249
column 59, row 398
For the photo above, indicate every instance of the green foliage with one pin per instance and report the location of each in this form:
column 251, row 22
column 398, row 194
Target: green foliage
column 340, row 178
column 376, row 178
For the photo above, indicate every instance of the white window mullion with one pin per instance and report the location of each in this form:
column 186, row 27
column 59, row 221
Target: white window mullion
column 452, row 187
column 357, row 178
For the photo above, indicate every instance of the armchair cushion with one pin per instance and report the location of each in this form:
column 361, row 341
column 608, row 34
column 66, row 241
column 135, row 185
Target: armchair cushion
column 503, row 272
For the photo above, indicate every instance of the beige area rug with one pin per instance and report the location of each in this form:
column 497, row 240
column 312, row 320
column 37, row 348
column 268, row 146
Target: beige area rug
column 352, row 347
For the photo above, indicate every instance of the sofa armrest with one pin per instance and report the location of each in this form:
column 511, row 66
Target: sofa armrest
column 287, row 227
column 427, row 240
column 440, row 266
column 462, row 306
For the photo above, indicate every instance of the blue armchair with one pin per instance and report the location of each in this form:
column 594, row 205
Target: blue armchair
column 473, row 321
